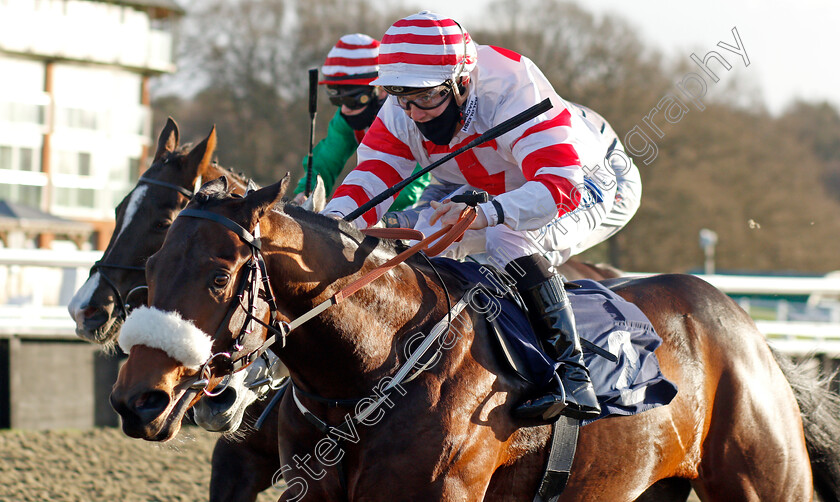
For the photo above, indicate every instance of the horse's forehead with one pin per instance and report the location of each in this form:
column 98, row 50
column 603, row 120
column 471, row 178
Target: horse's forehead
column 198, row 240
column 132, row 208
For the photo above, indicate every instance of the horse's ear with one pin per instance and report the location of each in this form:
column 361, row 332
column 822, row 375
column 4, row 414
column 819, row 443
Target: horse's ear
column 213, row 188
column 265, row 198
column 251, row 187
column 168, row 140
column 199, row 157
column 317, row 200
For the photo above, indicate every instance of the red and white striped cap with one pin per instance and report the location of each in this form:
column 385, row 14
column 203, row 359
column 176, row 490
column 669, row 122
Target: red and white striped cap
column 352, row 61
column 424, row 50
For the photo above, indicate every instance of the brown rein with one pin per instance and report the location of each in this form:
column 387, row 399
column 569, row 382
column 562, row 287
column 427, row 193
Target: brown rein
column 432, row 245
column 447, row 236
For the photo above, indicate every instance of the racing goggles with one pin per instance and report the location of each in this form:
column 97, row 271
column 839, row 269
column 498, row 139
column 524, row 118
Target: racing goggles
column 354, row 99
column 424, row 99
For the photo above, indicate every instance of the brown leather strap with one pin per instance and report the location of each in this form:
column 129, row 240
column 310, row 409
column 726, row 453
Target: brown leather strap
column 453, row 233
column 395, row 233
column 447, row 236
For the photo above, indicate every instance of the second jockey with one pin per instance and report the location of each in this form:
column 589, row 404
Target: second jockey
column 348, row 70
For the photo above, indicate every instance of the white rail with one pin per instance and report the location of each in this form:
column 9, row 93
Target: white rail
column 35, row 287
column 49, row 258
column 41, row 282
column 772, row 285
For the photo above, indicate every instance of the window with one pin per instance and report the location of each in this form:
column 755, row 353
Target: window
column 64, row 196
column 84, row 164
column 27, row 159
column 78, row 118
column 78, row 163
column 29, row 195
column 5, row 157
column 22, row 194
column 75, row 197
column 85, row 197
column 24, row 113
column 23, row 159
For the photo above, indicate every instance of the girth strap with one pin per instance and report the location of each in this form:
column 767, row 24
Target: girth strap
column 561, row 454
column 399, row 378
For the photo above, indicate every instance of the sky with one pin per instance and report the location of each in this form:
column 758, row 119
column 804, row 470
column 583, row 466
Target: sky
column 792, row 46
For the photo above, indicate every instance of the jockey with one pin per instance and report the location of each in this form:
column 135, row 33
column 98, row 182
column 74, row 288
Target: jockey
column 350, row 67
column 555, row 179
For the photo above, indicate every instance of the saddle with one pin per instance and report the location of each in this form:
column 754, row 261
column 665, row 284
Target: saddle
column 618, row 343
column 618, row 340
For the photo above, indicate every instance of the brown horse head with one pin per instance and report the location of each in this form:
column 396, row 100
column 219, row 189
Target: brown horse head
column 142, row 219
column 169, row 343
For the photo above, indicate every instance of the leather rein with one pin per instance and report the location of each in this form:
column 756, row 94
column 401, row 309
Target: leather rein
column 256, row 284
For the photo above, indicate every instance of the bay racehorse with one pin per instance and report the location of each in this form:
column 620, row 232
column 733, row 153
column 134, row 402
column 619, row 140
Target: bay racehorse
column 733, row 432
column 142, row 219
column 99, row 307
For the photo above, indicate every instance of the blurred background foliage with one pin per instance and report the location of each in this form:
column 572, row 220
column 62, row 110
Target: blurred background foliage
column 768, row 185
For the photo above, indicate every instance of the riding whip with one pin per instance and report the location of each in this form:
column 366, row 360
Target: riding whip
column 491, row 133
column 313, row 110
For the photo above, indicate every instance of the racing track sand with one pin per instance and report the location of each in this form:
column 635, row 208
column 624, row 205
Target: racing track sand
column 101, row 465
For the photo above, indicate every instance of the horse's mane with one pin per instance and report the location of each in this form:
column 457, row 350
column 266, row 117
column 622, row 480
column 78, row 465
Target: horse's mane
column 238, row 176
column 323, row 224
column 208, row 198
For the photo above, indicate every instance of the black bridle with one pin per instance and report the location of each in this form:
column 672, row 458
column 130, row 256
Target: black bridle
column 122, row 303
column 254, row 285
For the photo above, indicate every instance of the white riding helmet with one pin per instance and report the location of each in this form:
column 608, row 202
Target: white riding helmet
column 352, row 61
column 424, row 50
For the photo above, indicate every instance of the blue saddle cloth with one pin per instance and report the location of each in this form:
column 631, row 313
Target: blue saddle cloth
column 629, row 386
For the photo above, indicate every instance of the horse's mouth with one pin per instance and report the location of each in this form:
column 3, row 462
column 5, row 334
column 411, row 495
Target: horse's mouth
column 222, row 413
column 163, row 427
column 99, row 332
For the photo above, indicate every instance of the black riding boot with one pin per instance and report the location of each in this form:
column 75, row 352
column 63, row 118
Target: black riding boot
column 554, row 322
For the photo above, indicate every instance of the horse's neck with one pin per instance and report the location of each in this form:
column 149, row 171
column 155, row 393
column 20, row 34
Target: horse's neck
column 356, row 341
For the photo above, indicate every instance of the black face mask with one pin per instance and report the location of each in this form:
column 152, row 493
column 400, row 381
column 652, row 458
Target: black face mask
column 441, row 129
column 363, row 120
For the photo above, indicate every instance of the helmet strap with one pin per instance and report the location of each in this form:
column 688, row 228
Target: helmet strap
column 458, row 81
column 459, row 92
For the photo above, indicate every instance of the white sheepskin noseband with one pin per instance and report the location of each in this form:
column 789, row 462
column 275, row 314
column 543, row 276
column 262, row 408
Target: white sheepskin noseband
column 167, row 331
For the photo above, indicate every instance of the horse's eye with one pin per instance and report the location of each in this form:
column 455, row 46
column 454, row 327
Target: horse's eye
column 163, row 224
column 220, row 280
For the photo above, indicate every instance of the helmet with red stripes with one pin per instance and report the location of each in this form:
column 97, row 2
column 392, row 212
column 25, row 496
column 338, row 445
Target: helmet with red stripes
column 424, row 50
column 352, row 61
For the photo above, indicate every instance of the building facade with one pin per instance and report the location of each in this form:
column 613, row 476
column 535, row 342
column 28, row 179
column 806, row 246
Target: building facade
column 74, row 106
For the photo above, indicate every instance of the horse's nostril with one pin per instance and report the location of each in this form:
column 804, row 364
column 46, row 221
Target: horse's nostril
column 148, row 405
column 94, row 318
column 224, row 400
column 90, row 312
